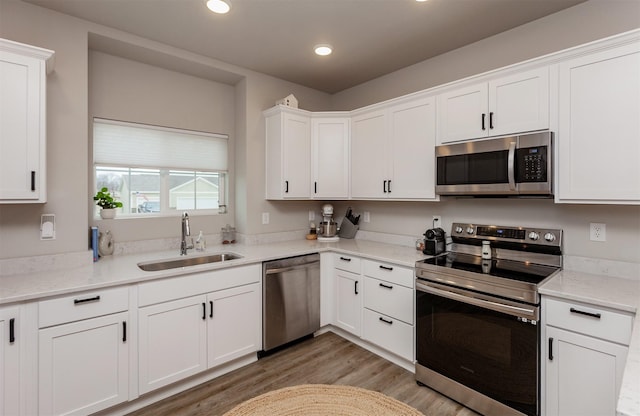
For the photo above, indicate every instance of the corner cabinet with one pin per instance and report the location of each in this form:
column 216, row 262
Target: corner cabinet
column 598, row 137
column 23, row 128
column 192, row 323
column 509, row 104
column 348, row 297
column 330, row 139
column 584, row 355
column 392, row 152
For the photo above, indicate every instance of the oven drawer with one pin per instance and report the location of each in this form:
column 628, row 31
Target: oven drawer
column 389, row 272
column 388, row 333
column 346, row 262
column 389, row 298
column 589, row 320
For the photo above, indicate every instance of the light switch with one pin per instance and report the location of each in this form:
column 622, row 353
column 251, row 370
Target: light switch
column 48, row 227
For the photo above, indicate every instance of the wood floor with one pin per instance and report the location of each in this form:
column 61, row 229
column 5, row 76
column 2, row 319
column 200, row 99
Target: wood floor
column 326, row 359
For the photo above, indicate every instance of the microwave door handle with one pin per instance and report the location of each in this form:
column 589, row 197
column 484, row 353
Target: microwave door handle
column 511, row 168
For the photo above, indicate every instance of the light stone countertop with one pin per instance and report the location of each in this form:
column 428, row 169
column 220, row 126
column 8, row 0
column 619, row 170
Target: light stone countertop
column 609, row 292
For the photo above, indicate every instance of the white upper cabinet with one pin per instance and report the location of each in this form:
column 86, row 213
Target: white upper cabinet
column 392, row 152
column 598, row 139
column 288, row 154
column 23, row 91
column 511, row 104
column 330, row 157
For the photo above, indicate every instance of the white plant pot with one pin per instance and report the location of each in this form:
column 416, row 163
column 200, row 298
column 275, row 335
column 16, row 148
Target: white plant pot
column 108, row 213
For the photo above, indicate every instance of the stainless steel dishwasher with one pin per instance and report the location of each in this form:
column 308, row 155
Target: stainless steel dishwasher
column 291, row 300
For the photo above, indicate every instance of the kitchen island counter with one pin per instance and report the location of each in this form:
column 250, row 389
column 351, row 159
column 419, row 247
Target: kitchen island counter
column 609, row 292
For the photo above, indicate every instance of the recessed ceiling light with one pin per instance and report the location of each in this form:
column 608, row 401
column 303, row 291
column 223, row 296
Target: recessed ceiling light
column 219, row 6
column 323, row 49
column 421, row 1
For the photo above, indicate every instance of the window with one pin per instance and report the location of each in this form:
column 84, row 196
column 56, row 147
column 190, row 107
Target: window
column 160, row 171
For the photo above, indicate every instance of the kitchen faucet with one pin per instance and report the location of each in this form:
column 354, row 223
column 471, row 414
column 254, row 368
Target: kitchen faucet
column 186, row 231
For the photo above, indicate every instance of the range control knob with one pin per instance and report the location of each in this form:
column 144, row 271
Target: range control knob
column 534, row 235
column 458, row 229
column 550, row 237
column 470, row 230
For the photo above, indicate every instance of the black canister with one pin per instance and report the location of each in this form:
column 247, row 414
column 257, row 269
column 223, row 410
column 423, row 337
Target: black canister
column 434, row 241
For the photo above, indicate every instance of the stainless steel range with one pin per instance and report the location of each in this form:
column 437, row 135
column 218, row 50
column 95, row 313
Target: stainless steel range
column 477, row 314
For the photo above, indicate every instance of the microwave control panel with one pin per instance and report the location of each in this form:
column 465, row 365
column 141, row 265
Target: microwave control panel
column 531, row 164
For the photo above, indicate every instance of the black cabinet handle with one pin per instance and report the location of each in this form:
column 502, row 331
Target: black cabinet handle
column 483, row 117
column 204, row 311
column 591, row 314
column 386, row 268
column 550, row 349
column 12, row 330
column 491, row 120
column 315, row 187
column 211, row 305
column 385, row 321
column 345, row 258
column 355, row 287
column 386, row 286
column 33, row 180
column 389, row 186
column 286, row 187
column 384, row 186
column 86, row 300
column 124, row 331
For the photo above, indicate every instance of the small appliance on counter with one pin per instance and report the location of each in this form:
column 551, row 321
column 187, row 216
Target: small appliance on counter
column 328, row 228
column 434, row 242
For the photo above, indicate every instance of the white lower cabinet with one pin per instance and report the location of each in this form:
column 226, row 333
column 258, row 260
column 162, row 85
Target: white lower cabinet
column 584, row 354
column 83, row 358
column 9, row 361
column 349, row 301
column 185, row 336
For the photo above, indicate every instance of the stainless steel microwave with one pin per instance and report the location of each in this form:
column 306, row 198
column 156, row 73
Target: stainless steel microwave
column 508, row 166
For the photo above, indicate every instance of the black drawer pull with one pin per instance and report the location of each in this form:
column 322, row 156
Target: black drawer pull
column 86, row 300
column 33, row 180
column 591, row 314
column 12, row 330
column 211, row 312
column 385, row 321
column 124, row 331
column 345, row 258
column 386, row 268
column 550, row 349
column 386, row 286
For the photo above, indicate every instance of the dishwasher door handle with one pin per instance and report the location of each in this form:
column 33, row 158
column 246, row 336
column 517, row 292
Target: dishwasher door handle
column 287, row 269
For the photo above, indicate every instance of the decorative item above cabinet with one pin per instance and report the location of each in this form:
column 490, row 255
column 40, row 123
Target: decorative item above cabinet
column 23, row 128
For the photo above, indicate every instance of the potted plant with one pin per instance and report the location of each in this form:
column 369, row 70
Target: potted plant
column 105, row 201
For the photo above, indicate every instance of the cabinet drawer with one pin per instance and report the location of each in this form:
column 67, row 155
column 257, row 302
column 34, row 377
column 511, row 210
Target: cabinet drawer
column 346, row 262
column 389, row 298
column 388, row 333
column 389, row 272
column 589, row 320
column 82, row 306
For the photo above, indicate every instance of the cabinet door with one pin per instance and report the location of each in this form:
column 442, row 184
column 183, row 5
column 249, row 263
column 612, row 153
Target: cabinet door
column 349, row 301
column 462, row 114
column 172, row 341
column 235, row 327
column 22, row 127
column 412, row 150
column 584, row 376
column 519, row 102
column 83, row 366
column 369, row 161
column 330, row 153
column 9, row 362
column 296, row 144
column 598, row 146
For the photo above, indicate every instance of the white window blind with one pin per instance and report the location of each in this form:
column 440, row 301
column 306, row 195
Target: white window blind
column 128, row 144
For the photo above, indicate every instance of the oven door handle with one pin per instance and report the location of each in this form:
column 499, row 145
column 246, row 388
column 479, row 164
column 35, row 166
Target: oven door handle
column 494, row 306
column 511, row 169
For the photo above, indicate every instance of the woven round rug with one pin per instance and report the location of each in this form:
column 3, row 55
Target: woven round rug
column 323, row 400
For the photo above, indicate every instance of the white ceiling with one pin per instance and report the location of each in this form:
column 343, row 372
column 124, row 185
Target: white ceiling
column 276, row 37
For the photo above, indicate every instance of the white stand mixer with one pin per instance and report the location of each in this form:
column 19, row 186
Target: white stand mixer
column 328, row 229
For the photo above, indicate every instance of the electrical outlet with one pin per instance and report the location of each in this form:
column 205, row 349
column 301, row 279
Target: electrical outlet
column 265, row 218
column 367, row 216
column 312, row 215
column 437, row 221
column 598, row 231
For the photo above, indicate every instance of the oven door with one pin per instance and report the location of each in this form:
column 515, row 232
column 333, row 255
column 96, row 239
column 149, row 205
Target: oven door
column 489, row 347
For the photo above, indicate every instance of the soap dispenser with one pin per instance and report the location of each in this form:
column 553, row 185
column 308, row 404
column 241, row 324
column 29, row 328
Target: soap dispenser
column 200, row 242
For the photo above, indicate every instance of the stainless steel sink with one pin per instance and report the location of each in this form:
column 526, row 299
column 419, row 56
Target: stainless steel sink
column 156, row 265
